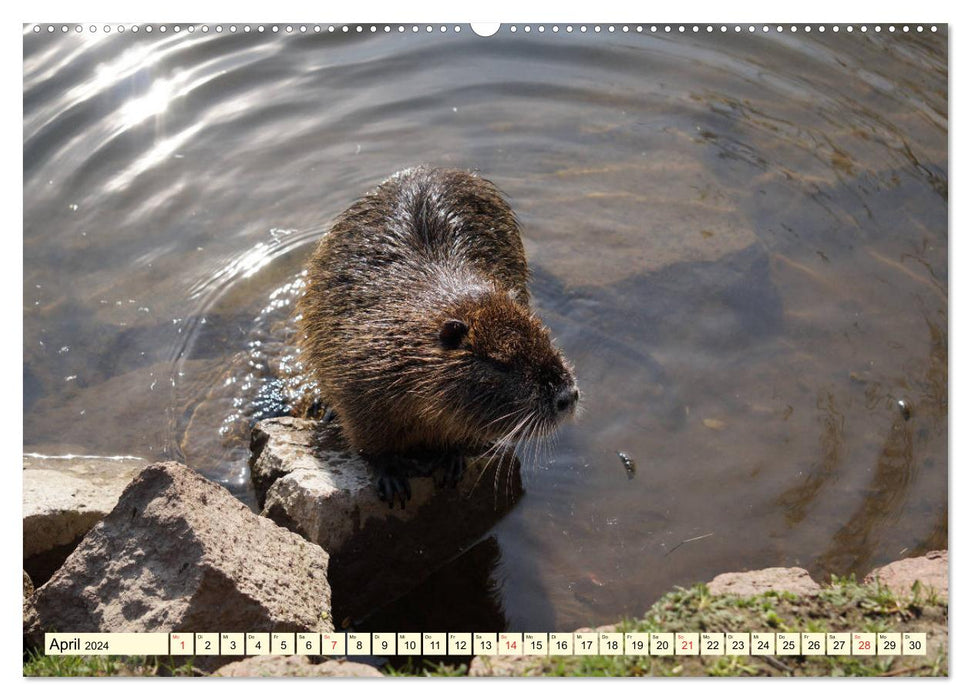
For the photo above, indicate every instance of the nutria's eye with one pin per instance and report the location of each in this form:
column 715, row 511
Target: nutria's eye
column 452, row 333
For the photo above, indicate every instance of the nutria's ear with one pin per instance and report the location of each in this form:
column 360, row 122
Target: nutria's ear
column 452, row 333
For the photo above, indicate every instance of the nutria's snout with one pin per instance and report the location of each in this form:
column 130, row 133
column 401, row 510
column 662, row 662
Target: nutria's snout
column 566, row 400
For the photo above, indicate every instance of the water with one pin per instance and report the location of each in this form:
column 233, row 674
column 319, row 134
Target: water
column 740, row 241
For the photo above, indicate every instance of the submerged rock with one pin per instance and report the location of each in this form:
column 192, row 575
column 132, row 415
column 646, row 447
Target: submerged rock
column 328, row 495
column 179, row 553
column 747, row 583
column 691, row 218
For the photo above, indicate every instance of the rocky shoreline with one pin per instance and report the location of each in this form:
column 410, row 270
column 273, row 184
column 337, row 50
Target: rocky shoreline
column 123, row 546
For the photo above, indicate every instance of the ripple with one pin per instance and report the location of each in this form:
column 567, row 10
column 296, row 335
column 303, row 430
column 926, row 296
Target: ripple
column 747, row 232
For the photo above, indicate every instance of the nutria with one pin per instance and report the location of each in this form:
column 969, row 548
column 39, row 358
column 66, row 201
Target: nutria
column 415, row 322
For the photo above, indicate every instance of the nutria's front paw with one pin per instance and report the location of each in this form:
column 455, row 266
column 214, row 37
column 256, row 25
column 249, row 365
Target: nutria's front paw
column 390, row 485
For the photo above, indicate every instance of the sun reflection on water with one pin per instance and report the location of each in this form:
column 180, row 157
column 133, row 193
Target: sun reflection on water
column 152, row 103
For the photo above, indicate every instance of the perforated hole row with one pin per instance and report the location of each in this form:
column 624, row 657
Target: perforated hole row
column 512, row 28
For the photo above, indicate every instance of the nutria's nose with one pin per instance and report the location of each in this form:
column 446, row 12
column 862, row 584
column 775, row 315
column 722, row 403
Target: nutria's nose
column 566, row 399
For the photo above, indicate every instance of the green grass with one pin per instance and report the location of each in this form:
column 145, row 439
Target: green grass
column 39, row 665
column 419, row 666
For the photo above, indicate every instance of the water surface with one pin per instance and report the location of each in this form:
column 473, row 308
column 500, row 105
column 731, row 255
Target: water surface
column 739, row 240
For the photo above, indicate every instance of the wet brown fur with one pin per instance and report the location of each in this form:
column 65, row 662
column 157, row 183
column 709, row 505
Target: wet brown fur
column 427, row 246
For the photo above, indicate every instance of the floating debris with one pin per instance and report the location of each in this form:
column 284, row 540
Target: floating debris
column 690, row 539
column 714, row 424
column 629, row 465
column 904, row 407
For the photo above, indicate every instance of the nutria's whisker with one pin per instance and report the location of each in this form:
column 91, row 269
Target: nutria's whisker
column 499, row 449
column 508, row 440
column 508, row 415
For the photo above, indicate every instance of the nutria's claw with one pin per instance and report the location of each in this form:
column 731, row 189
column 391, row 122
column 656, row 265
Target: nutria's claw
column 454, row 469
column 390, row 486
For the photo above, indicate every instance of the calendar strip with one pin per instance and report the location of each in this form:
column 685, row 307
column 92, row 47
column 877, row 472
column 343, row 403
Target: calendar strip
column 488, row 644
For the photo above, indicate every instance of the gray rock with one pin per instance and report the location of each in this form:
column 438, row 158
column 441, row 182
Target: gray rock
column 900, row 576
column 293, row 445
column 377, row 553
column 747, row 583
column 63, row 497
column 287, row 666
column 179, row 553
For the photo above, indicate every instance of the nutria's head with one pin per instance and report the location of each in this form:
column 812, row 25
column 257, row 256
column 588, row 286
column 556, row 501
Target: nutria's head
column 505, row 381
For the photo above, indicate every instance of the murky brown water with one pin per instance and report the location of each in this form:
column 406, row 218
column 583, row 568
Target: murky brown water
column 740, row 240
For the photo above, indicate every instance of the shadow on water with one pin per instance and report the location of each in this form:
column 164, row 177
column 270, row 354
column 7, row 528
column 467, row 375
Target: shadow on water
column 462, row 596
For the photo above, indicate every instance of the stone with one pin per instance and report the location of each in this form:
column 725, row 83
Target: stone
column 288, row 666
column 292, row 446
column 748, row 583
column 64, row 496
column 930, row 570
column 179, row 553
column 506, row 666
column 328, row 495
